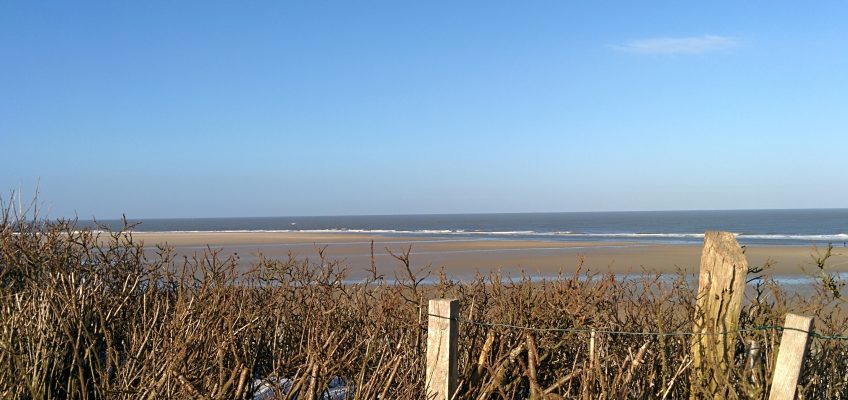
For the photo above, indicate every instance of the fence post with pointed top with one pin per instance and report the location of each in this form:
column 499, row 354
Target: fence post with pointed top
column 790, row 357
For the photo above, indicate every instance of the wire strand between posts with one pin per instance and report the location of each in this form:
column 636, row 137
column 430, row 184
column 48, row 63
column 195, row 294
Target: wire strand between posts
column 658, row 334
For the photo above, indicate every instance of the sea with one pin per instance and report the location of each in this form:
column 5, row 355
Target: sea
column 760, row 227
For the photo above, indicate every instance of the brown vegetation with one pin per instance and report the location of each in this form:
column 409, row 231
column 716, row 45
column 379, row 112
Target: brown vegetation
column 93, row 315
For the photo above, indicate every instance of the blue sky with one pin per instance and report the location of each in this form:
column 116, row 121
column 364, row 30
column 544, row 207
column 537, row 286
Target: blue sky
column 190, row 109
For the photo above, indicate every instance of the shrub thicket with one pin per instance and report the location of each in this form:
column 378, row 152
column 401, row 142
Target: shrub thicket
column 90, row 314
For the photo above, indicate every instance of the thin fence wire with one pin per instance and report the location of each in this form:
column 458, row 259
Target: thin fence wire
column 754, row 328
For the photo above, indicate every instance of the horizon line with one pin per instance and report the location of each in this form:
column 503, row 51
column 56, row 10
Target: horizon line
column 466, row 213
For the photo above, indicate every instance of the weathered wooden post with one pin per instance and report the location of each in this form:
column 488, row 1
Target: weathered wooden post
column 442, row 338
column 790, row 357
column 721, row 286
column 592, row 350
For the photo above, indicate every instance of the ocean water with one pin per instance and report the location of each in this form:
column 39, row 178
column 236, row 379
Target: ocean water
column 769, row 227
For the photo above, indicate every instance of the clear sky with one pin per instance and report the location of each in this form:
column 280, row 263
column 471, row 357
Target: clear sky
column 191, row 109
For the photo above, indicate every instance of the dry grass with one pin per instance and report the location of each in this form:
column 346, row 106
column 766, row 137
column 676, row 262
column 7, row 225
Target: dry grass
column 90, row 315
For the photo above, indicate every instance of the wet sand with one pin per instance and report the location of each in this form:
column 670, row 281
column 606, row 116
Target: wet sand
column 464, row 257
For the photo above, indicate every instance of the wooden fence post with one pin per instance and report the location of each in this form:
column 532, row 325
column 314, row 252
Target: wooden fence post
column 790, row 357
column 721, row 286
column 592, row 357
column 442, row 338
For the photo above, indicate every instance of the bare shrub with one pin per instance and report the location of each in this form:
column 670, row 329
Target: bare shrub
column 92, row 314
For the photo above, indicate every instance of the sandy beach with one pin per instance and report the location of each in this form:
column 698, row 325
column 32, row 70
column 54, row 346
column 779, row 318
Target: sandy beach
column 464, row 257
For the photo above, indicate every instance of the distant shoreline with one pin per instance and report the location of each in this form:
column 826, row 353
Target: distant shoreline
column 758, row 227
